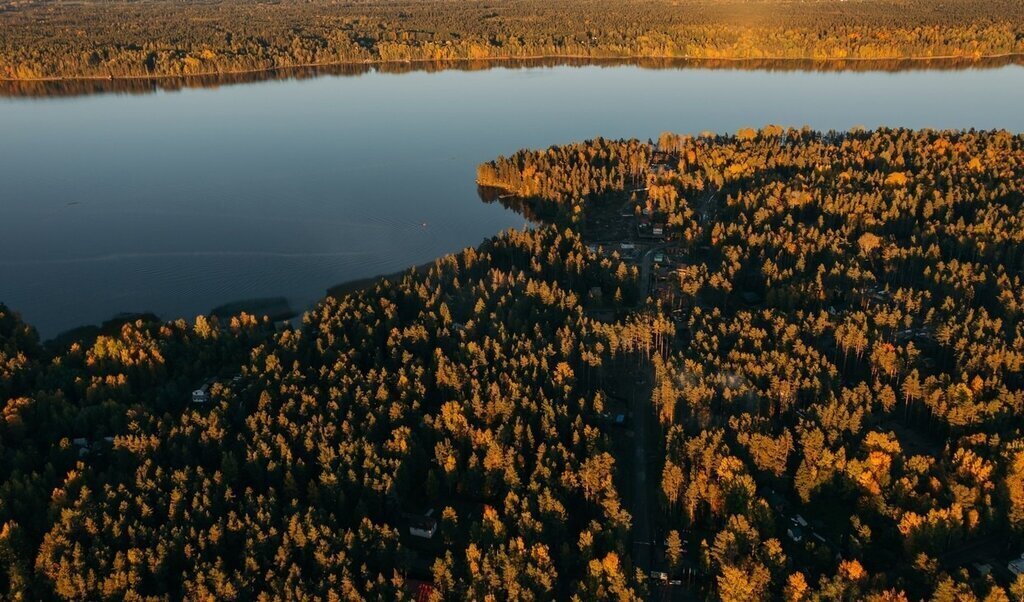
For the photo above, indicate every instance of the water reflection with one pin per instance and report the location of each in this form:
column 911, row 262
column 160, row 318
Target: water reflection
column 523, row 207
column 142, row 85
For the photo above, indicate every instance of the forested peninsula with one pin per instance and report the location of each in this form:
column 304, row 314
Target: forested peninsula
column 45, row 39
column 780, row 364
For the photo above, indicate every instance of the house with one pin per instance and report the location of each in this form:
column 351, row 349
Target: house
column 1016, row 566
column 423, row 526
column 83, row 446
column 202, row 394
column 648, row 229
column 420, row 591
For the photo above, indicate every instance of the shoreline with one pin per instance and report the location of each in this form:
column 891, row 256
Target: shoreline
column 285, row 311
column 359, row 284
column 557, row 58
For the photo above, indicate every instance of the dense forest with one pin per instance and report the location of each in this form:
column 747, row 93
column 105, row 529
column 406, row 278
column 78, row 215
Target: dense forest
column 841, row 407
column 49, row 39
column 471, row 389
column 830, row 360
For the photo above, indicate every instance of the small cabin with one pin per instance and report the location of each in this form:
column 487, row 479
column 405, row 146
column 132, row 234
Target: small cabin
column 420, row 591
column 82, row 444
column 202, row 394
column 423, row 526
column 1016, row 566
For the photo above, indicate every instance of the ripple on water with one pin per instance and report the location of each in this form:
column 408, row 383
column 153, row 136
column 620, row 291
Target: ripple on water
column 177, row 203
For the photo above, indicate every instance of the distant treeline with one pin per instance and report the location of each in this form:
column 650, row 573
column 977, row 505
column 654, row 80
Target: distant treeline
column 158, row 38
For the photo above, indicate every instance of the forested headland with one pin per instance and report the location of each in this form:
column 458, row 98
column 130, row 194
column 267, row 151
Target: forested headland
column 830, row 354
column 840, row 407
column 43, row 39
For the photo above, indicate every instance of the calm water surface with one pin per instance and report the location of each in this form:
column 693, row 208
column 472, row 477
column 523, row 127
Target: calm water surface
column 176, row 202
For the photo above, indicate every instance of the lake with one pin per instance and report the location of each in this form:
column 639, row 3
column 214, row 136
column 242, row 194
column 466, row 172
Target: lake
column 178, row 201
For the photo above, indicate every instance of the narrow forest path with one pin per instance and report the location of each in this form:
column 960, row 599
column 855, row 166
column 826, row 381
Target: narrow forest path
column 642, row 386
column 642, row 537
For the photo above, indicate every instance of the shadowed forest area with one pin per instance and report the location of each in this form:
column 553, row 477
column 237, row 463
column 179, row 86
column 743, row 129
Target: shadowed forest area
column 42, row 39
column 826, row 329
